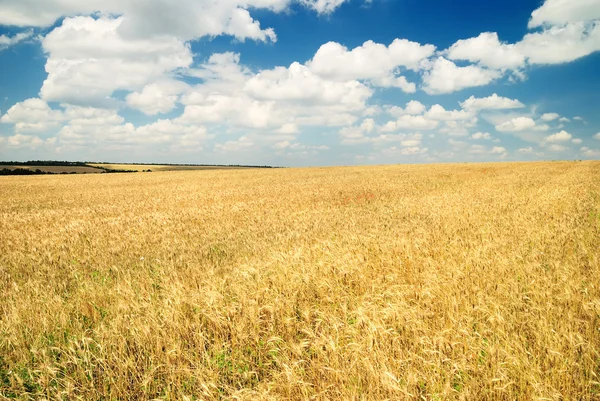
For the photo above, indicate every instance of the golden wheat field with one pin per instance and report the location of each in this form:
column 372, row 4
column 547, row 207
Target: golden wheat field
column 420, row 282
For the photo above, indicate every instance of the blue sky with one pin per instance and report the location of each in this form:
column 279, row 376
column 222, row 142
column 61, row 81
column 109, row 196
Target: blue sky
column 299, row 82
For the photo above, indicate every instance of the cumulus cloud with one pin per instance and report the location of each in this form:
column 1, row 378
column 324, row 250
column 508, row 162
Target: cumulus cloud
column 288, row 128
column 404, row 151
column 410, row 122
column 32, row 115
column 8, row 41
column 569, row 30
column 487, row 50
column 159, row 97
column 239, row 145
column 437, row 112
column 105, row 128
column 493, row 102
column 323, row 6
column 413, row 107
column 358, row 134
column 24, row 141
column 481, row 135
column 592, row 153
column 597, row 136
column 88, row 60
column 446, row 77
column 371, row 61
column 497, row 151
column 287, row 145
column 557, row 12
column 561, row 44
column 516, row 124
column 562, row 136
column 549, row 116
column 298, row 82
column 180, row 19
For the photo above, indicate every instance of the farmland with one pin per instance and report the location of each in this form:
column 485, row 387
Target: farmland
column 436, row 282
column 160, row 167
column 54, row 169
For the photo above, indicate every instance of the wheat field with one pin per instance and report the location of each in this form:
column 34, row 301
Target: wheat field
column 414, row 282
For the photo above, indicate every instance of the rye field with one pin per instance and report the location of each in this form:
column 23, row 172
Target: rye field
column 410, row 282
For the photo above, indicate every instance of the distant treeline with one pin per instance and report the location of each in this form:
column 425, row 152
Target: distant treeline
column 24, row 171
column 87, row 164
column 44, row 163
column 184, row 164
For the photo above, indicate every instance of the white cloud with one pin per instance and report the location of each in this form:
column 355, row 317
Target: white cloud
column 104, row 128
column 561, row 44
column 578, row 118
column 487, row 50
column 556, row 148
column 24, row 141
column 458, row 127
column 481, row 150
column 562, row 136
column 288, row 128
column 549, row 116
column 354, row 135
column 516, row 124
column 493, row 102
column 413, row 107
column 32, row 115
column 357, row 134
column 404, row 151
column 323, row 6
column 564, row 120
column 239, row 145
column 481, row 135
column 235, row 110
column 557, row 12
column 405, row 140
column 576, row 141
column 88, row 60
column 587, row 152
column 299, row 83
column 155, row 98
column 395, row 82
column 233, row 95
column 8, row 41
column 371, row 61
column 180, row 19
column 296, row 146
column 528, row 150
column 368, row 125
column 89, row 116
column 437, row 112
column 411, row 123
column 447, row 77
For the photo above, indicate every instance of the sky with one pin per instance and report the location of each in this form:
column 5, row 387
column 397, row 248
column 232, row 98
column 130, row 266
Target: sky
column 299, row 82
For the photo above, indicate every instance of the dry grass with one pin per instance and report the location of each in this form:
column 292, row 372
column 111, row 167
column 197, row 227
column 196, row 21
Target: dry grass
column 403, row 282
column 166, row 167
column 55, row 169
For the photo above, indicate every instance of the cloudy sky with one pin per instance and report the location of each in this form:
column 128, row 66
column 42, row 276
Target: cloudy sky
column 299, row 82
